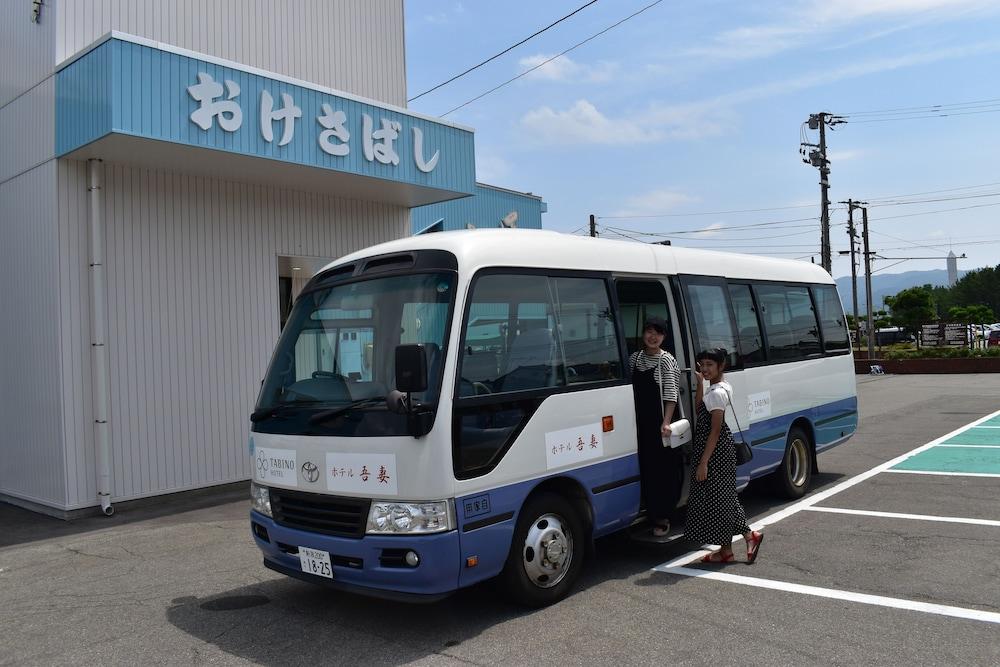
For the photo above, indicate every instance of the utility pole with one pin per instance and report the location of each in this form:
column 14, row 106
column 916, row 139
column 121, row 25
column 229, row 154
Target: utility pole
column 817, row 158
column 868, row 280
column 824, row 189
column 853, row 236
column 593, row 225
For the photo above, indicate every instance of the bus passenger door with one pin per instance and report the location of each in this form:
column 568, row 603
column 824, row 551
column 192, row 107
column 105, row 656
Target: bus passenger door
column 639, row 300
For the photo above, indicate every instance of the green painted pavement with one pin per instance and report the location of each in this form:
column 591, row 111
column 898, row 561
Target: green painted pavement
column 954, row 459
column 992, row 422
column 975, row 436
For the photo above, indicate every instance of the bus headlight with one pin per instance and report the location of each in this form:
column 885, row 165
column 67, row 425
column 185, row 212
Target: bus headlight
column 389, row 517
column 260, row 499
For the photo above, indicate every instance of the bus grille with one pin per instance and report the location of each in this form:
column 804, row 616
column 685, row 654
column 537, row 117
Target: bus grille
column 320, row 513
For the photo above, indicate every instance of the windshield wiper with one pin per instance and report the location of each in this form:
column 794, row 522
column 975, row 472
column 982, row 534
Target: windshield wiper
column 260, row 414
column 333, row 412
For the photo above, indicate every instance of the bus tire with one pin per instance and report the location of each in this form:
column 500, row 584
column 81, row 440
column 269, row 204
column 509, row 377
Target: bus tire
column 546, row 554
column 792, row 478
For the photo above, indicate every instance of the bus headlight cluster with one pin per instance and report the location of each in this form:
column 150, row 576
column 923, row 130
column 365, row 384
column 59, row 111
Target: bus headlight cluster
column 260, row 499
column 388, row 517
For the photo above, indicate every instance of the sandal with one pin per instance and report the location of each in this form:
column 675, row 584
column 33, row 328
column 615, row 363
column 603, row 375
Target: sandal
column 753, row 545
column 661, row 529
column 717, row 557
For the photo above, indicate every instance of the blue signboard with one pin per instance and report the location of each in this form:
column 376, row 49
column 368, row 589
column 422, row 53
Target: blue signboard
column 140, row 90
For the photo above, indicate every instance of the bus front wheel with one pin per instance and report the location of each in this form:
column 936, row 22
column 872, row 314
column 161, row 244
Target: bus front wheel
column 546, row 555
column 792, row 478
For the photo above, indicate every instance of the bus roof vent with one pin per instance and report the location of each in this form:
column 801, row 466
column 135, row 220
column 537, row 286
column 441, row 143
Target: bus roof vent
column 388, row 263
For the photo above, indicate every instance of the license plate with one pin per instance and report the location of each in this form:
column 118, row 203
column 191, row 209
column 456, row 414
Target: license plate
column 315, row 562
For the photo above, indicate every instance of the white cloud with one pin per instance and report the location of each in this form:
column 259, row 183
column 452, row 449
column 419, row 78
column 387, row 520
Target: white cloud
column 582, row 123
column 846, row 154
column 564, row 69
column 804, row 22
column 490, row 167
column 710, row 231
column 654, row 202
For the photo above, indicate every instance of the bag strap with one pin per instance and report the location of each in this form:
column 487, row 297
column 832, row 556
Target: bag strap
column 731, row 407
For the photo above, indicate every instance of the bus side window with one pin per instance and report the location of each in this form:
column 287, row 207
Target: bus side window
column 747, row 325
column 711, row 320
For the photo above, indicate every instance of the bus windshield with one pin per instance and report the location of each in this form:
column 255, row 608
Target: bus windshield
column 334, row 362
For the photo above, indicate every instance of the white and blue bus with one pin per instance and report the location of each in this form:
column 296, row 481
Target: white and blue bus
column 448, row 408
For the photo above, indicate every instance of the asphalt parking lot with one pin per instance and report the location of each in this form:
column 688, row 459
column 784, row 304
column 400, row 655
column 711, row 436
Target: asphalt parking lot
column 890, row 559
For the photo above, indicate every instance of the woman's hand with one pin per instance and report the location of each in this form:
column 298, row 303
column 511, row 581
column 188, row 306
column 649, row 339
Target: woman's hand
column 665, row 429
column 699, row 376
column 701, row 474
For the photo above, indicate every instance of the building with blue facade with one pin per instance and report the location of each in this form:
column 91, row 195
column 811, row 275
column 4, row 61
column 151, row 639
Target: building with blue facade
column 172, row 173
column 485, row 209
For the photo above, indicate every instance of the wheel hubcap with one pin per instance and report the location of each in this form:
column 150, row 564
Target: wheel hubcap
column 548, row 551
column 798, row 462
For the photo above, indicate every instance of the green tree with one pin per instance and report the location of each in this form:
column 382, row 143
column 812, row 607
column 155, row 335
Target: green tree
column 979, row 287
column 971, row 314
column 912, row 307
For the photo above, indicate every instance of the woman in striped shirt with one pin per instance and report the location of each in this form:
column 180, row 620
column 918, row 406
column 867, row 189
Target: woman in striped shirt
column 655, row 377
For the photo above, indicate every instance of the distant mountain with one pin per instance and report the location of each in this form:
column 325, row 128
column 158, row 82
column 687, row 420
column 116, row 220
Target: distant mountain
column 889, row 284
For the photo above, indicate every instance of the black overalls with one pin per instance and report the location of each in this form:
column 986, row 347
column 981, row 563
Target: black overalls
column 661, row 468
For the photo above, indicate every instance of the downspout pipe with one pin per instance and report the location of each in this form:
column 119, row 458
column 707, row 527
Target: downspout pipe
column 98, row 334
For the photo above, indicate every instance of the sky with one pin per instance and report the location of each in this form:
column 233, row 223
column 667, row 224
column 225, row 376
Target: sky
column 691, row 111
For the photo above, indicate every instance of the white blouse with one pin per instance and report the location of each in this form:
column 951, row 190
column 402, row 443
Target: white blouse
column 717, row 396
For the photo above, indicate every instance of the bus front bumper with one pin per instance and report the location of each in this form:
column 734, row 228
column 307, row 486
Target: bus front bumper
column 369, row 565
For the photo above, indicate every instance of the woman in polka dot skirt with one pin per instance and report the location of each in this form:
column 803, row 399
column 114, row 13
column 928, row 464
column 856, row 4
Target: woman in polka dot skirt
column 714, row 512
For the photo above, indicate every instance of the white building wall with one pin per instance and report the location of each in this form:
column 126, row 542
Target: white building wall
column 32, row 466
column 193, row 316
column 31, row 455
column 27, row 49
column 352, row 45
column 27, row 130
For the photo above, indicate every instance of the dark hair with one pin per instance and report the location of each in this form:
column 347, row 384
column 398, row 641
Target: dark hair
column 716, row 354
column 656, row 323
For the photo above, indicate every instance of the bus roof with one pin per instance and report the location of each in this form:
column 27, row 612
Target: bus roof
column 476, row 249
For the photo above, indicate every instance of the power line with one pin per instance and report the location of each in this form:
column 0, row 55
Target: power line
column 684, row 215
column 718, row 239
column 937, row 115
column 889, row 202
column 925, row 107
column 507, row 50
column 933, row 192
column 724, row 227
column 943, row 210
column 558, row 55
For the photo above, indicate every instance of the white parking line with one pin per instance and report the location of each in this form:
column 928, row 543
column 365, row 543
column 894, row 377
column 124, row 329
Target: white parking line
column 676, row 566
column 944, row 474
column 898, row 515
column 971, row 446
column 863, row 598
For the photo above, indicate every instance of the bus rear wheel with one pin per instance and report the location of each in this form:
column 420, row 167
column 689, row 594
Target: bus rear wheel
column 792, row 478
column 546, row 554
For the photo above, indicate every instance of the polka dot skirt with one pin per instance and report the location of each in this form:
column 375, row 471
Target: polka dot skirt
column 714, row 512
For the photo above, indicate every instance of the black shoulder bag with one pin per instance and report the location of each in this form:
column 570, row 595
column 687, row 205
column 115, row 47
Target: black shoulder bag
column 743, row 451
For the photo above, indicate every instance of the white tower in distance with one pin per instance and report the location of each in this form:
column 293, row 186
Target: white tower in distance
column 952, row 269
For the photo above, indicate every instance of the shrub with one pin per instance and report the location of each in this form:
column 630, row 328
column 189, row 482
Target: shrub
column 943, row 353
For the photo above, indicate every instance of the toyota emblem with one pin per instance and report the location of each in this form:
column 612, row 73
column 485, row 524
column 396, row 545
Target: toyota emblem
column 310, row 472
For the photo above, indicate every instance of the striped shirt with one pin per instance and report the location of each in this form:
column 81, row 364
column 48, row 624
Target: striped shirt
column 666, row 373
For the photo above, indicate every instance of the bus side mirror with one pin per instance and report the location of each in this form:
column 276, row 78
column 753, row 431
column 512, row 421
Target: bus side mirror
column 411, row 368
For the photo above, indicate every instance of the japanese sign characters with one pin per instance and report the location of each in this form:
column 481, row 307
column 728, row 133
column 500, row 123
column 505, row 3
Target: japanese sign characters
column 220, row 103
column 275, row 466
column 574, row 445
column 371, row 474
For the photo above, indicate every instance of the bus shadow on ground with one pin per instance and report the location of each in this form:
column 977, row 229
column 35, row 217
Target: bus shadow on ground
column 285, row 621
